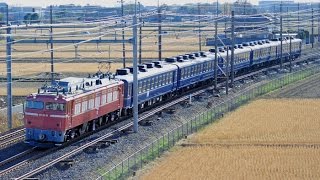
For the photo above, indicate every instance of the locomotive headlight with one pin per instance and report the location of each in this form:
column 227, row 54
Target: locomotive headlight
column 42, row 136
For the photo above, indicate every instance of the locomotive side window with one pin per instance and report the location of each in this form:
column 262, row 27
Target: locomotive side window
column 84, row 106
column 104, row 99
column 77, row 109
column 91, row 104
column 109, row 98
column 97, row 102
column 55, row 106
column 34, row 105
column 115, row 94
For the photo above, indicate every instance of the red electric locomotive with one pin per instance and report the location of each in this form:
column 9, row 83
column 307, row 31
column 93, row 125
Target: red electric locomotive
column 71, row 107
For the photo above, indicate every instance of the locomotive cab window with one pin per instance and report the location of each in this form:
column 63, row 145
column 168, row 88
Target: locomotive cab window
column 55, row 106
column 34, row 105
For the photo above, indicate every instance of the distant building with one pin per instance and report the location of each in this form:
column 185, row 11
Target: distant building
column 273, row 6
column 17, row 13
column 3, row 10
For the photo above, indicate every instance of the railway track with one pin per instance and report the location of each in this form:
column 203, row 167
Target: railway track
column 12, row 137
column 16, row 157
column 107, row 136
column 143, row 116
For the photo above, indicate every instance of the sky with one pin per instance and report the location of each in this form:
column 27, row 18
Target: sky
column 45, row 3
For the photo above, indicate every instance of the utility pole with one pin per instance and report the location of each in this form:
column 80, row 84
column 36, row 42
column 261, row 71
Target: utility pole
column 123, row 44
column 281, row 46
column 51, row 46
column 9, row 71
column 199, row 27
column 135, row 71
column 312, row 30
column 140, row 34
column 216, row 51
column 159, row 32
column 232, row 48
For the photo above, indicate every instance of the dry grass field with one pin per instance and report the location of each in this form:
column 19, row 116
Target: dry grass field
column 267, row 139
column 17, row 122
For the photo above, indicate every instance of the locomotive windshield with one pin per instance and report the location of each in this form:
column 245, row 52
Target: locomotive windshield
column 34, row 105
column 55, row 106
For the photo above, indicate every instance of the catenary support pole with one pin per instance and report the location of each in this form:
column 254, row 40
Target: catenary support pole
column 9, row 70
column 140, row 34
column 227, row 71
column 275, row 20
column 123, row 44
column 298, row 17
column 290, row 57
column 51, row 46
column 281, row 38
column 216, row 55
column 312, row 28
column 215, row 83
column 199, row 26
column 135, row 72
column 318, row 24
column 232, row 48
column 159, row 32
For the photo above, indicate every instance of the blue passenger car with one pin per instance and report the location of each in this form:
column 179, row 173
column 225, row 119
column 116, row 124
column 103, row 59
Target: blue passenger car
column 154, row 80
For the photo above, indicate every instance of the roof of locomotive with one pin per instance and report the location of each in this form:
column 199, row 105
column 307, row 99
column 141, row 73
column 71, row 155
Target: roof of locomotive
column 71, row 87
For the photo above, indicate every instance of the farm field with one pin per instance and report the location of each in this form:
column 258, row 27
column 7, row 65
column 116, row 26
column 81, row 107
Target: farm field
column 34, row 69
column 175, row 41
column 267, row 139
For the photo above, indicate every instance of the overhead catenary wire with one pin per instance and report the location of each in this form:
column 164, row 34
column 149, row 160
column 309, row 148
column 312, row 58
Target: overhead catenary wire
column 165, row 34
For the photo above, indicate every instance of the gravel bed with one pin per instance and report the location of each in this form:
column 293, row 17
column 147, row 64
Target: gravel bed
column 87, row 165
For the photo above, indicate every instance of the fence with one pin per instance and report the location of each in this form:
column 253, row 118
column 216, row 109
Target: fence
column 130, row 165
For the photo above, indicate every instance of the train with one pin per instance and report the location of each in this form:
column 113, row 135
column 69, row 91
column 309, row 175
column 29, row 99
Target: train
column 72, row 106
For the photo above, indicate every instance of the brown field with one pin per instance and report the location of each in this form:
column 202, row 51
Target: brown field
column 34, row 69
column 267, row 139
column 29, row 69
column 176, row 42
